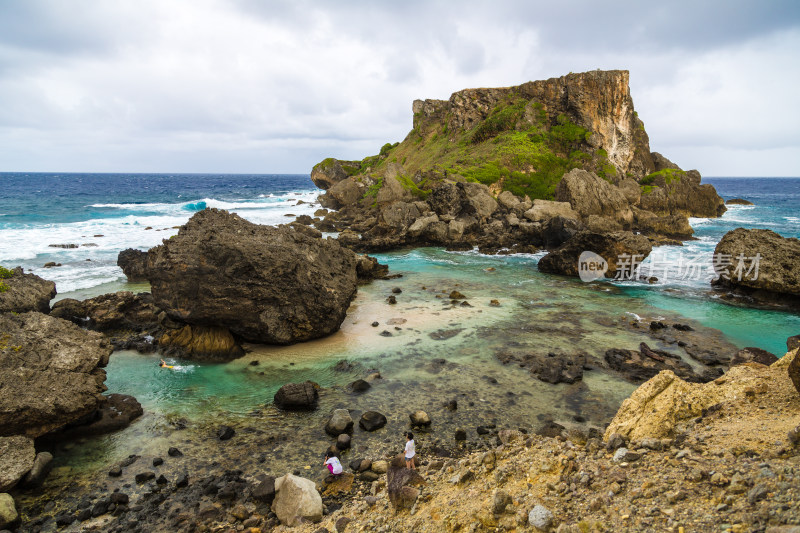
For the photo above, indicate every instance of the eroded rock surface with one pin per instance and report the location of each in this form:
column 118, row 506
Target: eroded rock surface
column 26, row 292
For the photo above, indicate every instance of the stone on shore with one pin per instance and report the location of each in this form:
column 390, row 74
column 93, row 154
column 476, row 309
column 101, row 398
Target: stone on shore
column 339, row 422
column 402, row 483
column 372, row 421
column 420, row 419
column 275, row 285
column 17, row 457
column 115, row 412
column 26, row 292
column 133, row 264
column 297, row 396
column 51, row 373
column 8, row 511
column 296, row 500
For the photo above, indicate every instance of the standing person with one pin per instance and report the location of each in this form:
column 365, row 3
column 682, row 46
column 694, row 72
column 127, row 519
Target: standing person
column 410, row 451
column 333, row 464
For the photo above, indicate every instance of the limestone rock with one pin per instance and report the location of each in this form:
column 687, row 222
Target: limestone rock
column 755, row 355
column 339, row 422
column 399, row 215
column 110, row 312
column 201, row 342
column 775, row 279
column 264, row 284
column 8, row 511
column 296, row 500
column 613, row 247
column 297, row 396
column 540, row 517
column 344, row 193
column 392, row 191
column 683, row 195
column 332, row 171
column 51, row 373
column 420, row 419
column 17, row 456
column 588, row 194
column 738, row 201
column 544, row 210
column 675, row 226
column 26, row 292
column 133, row 264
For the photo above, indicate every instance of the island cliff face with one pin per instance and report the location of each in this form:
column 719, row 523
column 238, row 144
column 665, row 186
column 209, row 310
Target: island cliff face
column 489, row 168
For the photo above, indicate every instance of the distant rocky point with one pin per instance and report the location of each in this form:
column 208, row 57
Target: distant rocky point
column 515, row 169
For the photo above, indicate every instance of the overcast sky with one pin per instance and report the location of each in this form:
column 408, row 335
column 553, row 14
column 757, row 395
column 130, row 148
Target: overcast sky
column 272, row 87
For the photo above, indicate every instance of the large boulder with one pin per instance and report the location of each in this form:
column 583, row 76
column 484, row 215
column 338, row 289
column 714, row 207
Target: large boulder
column 296, row 500
column 674, row 226
column 343, row 193
column 682, row 194
column 122, row 310
column 589, row 194
column 331, row 171
column 618, row 249
column 544, row 210
column 297, row 396
column 116, row 411
column 392, row 191
column 339, row 422
column 50, row 371
column 402, row 483
column 25, row 292
column 760, row 263
column 17, row 456
column 264, row 284
column 8, row 511
column 133, row 264
column 479, row 199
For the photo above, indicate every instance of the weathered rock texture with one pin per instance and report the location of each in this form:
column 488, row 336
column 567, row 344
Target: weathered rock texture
column 296, row 500
column 613, row 247
column 50, row 373
column 776, row 278
column 122, row 310
column 201, row 342
column 133, row 264
column 26, row 292
column 17, row 455
column 265, row 284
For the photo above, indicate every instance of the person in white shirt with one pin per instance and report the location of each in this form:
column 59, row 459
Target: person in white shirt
column 333, row 464
column 410, row 451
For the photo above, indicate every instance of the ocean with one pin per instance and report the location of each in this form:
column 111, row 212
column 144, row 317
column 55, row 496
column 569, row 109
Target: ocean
column 426, row 349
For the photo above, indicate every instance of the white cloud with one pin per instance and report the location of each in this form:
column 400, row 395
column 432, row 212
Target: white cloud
column 274, row 87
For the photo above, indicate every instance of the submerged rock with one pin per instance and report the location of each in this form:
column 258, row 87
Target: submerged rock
column 297, row 396
column 26, row 292
column 265, row 284
column 51, row 373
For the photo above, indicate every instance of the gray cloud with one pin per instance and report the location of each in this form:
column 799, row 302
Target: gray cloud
column 253, row 86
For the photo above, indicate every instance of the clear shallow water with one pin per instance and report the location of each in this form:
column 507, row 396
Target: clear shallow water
column 538, row 313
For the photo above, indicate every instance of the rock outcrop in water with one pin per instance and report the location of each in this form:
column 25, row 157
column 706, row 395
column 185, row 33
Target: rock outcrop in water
column 469, row 171
column 759, row 264
column 51, row 373
column 133, row 263
column 20, row 292
column 275, row 285
column 621, row 250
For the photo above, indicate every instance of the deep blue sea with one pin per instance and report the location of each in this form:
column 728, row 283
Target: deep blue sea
column 103, row 214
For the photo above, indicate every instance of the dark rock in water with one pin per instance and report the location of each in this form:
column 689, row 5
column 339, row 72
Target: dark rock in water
column 143, row 477
column 182, row 481
column 401, row 483
column 683, row 327
column 386, row 333
column 452, row 405
column 343, row 441
column 344, row 366
column 25, row 292
column 115, row 472
column 375, row 324
column 297, row 396
column 158, row 461
column 275, row 285
column 264, row 491
column 738, row 201
column 754, row 355
column 339, row 422
column 420, row 419
column 793, row 343
column 63, row 520
column 368, row 268
column 162, row 480
column 444, row 334
column 613, row 247
column 391, row 300
column 116, row 412
column 174, row 452
column 120, row 498
column 41, row 467
column 759, row 264
column 369, row 476
column 558, row 367
column 360, row 465
column 460, row 435
column 225, row 433
column 655, row 326
column 397, row 290
column 455, row 295
column 551, row 429
column 133, row 264
column 372, row 421
column 639, row 366
column 360, row 385
column 342, row 523
column 201, row 342
column 52, row 377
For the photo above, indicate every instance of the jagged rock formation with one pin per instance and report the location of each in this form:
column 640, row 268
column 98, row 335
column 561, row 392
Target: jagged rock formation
column 265, row 284
column 51, row 373
column 112, row 312
column 759, row 264
column 20, row 292
column 613, row 247
column 133, row 263
column 471, row 170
